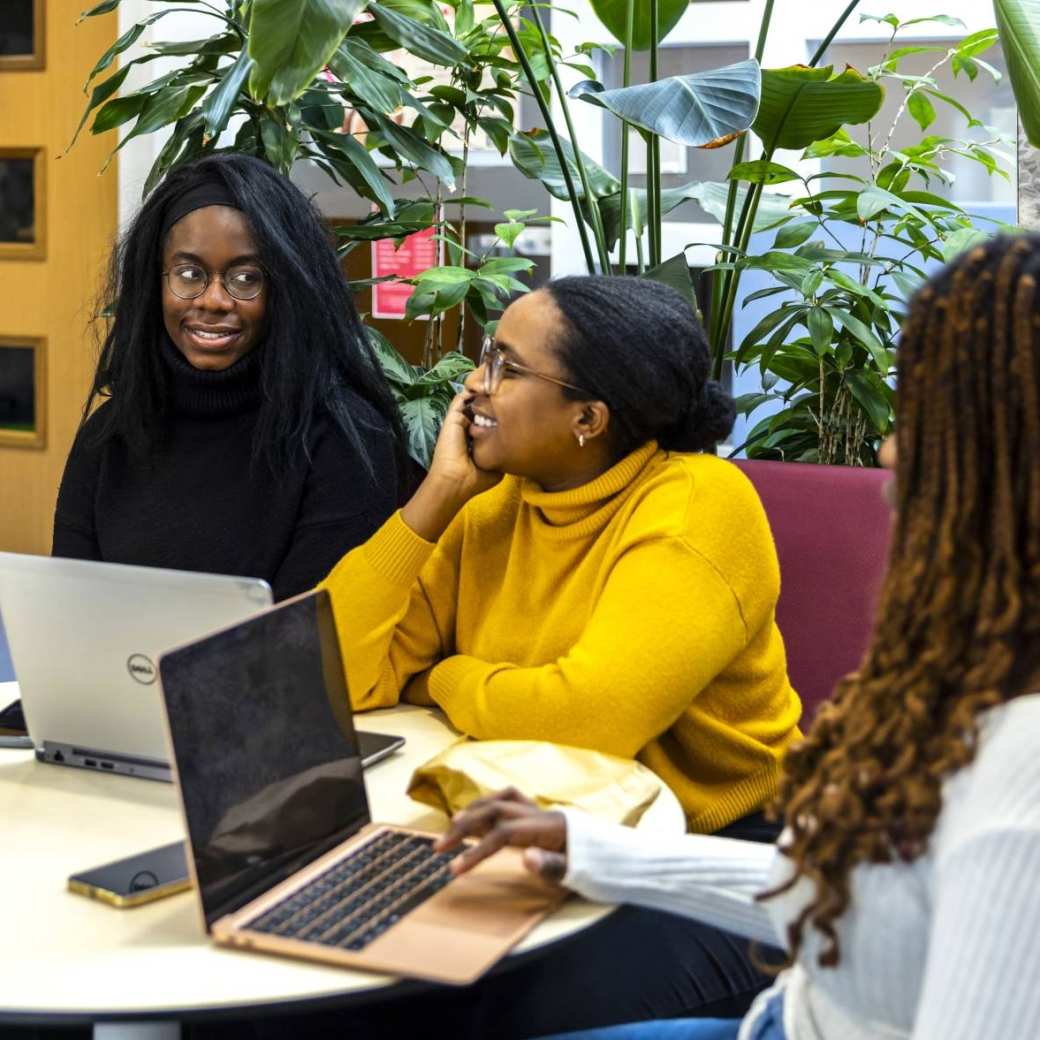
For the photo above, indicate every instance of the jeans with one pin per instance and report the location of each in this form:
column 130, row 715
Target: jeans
column 769, row 1026
column 634, row 966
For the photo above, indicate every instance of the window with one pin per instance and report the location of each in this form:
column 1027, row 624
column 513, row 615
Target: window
column 21, row 34
column 21, row 204
column 22, row 377
column 991, row 103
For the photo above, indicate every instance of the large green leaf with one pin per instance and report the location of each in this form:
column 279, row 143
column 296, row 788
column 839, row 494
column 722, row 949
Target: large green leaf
column 353, row 162
column 397, row 371
column 378, row 90
column 614, row 15
column 801, row 105
column 1019, row 25
column 410, row 146
column 218, row 105
column 699, row 110
column 422, row 418
column 675, row 273
column 424, row 41
column 291, row 41
column 534, row 156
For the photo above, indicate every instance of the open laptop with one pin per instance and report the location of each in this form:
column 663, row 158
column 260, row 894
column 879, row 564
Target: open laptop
column 85, row 638
column 283, row 852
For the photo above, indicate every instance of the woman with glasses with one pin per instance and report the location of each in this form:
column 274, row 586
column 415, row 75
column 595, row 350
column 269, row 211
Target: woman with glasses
column 245, row 427
column 578, row 568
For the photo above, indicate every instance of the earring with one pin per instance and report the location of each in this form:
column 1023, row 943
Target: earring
column 581, row 440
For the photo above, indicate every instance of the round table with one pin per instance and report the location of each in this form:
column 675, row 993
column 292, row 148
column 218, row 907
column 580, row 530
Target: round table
column 69, row 959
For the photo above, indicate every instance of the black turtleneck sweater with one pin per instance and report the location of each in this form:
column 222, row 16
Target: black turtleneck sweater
column 200, row 503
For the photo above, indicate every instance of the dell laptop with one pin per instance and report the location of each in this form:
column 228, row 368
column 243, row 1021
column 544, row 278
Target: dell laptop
column 85, row 638
column 284, row 855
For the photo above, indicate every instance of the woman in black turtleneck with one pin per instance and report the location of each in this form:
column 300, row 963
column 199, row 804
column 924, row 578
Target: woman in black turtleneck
column 245, row 427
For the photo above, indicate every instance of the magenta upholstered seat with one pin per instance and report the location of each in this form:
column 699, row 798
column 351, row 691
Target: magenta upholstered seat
column 831, row 527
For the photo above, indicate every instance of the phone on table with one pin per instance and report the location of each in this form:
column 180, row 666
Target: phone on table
column 12, row 728
column 137, row 879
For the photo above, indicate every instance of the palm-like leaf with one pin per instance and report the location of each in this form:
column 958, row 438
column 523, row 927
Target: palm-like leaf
column 1019, row 25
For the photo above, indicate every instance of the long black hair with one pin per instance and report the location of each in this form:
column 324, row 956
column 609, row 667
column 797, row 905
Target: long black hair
column 637, row 345
column 315, row 355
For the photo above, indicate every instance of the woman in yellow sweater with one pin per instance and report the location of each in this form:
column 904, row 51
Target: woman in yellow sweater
column 572, row 569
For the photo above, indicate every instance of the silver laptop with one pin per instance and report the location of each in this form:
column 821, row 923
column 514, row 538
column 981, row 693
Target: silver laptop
column 85, row 638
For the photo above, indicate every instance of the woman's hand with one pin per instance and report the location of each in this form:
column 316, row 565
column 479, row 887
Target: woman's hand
column 453, row 478
column 508, row 818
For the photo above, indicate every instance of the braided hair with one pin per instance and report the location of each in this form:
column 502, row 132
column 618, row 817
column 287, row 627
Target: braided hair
column 958, row 624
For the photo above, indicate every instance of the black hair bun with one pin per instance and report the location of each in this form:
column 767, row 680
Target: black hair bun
column 707, row 422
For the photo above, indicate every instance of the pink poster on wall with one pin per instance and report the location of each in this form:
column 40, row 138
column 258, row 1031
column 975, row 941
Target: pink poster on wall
column 417, row 253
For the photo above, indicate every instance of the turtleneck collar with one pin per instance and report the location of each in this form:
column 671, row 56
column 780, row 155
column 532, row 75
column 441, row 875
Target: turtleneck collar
column 586, row 509
column 212, row 394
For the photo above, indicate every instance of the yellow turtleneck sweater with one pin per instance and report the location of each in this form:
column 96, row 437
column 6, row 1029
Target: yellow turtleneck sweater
column 634, row 615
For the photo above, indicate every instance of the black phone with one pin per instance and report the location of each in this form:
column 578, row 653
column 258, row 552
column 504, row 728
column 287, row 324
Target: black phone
column 137, row 879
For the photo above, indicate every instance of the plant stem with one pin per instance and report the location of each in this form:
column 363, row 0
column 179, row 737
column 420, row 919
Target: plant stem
column 590, row 199
column 623, row 248
column 460, row 339
column 572, row 192
column 653, row 153
column 742, row 235
column 718, row 282
column 835, row 29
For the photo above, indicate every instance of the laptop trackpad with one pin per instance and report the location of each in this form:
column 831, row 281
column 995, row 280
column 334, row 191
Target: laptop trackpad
column 469, row 924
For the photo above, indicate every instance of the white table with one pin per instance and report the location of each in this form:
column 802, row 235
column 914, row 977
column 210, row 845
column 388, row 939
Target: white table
column 135, row 973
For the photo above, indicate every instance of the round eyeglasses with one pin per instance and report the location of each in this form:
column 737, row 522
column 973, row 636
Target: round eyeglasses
column 190, row 281
column 495, row 363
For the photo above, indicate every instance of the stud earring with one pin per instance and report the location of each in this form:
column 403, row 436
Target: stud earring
column 581, row 440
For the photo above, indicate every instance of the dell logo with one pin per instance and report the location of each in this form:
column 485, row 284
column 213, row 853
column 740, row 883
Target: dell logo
column 141, row 669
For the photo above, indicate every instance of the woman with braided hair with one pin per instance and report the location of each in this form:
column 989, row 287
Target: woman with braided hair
column 903, row 886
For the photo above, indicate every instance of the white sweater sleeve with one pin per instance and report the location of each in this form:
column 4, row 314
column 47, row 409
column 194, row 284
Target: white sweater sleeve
column 984, row 948
column 714, row 880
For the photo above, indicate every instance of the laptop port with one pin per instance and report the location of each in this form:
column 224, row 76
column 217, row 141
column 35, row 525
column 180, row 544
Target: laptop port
column 58, row 756
column 90, row 762
column 107, row 765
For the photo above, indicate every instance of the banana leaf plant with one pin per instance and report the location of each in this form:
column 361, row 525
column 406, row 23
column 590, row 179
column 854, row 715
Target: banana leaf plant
column 783, row 107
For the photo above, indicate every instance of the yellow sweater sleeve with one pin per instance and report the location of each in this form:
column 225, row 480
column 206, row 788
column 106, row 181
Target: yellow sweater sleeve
column 394, row 601
column 665, row 625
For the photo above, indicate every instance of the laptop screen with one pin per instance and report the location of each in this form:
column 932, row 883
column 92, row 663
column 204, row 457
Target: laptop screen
column 265, row 747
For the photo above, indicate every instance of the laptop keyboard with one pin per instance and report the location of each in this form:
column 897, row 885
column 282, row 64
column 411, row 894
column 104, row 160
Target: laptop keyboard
column 361, row 896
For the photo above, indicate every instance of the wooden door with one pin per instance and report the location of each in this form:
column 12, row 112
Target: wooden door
column 57, row 225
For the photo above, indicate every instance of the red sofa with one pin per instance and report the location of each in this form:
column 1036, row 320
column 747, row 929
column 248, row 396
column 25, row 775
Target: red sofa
column 831, row 526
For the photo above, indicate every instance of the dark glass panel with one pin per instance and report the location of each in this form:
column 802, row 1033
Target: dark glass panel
column 17, row 201
column 17, row 389
column 266, row 751
column 16, row 28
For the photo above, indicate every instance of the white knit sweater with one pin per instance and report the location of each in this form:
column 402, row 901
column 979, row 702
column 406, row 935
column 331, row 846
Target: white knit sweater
column 944, row 948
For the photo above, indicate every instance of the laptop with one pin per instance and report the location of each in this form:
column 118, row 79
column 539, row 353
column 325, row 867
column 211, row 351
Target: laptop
column 85, row 637
column 284, row 855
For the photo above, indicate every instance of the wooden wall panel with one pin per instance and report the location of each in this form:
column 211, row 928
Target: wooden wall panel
column 53, row 298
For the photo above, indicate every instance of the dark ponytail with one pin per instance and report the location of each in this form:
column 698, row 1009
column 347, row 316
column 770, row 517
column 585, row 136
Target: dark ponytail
column 636, row 345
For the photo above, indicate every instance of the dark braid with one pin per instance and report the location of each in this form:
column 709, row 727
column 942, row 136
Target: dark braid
column 958, row 626
column 637, row 346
